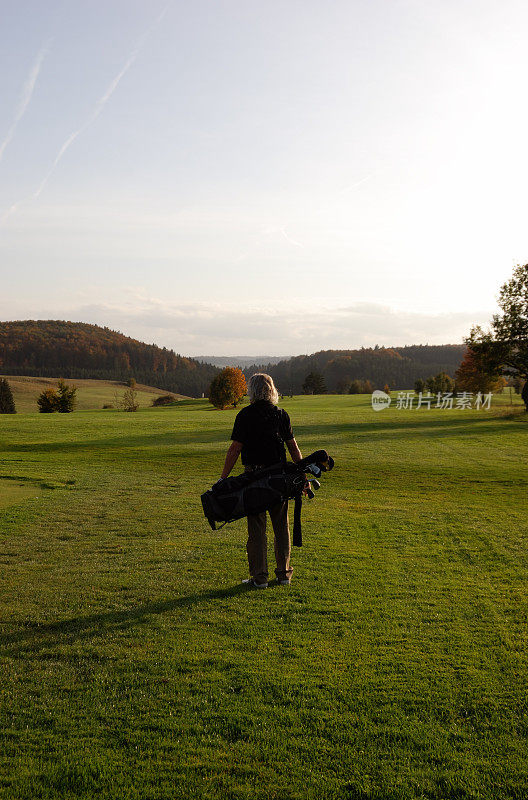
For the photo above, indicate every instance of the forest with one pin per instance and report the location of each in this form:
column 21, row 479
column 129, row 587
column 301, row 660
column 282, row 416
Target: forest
column 56, row 348
column 398, row 367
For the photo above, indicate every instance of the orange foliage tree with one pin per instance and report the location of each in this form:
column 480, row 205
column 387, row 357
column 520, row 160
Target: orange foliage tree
column 469, row 377
column 227, row 388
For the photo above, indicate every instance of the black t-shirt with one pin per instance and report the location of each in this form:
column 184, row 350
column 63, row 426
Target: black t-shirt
column 262, row 429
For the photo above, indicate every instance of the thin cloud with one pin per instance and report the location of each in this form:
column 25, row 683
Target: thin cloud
column 103, row 100
column 228, row 330
column 26, row 95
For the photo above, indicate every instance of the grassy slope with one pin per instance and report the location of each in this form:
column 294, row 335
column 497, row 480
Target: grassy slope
column 91, row 394
column 134, row 664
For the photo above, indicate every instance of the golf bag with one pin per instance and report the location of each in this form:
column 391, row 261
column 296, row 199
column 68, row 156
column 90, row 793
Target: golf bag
column 253, row 492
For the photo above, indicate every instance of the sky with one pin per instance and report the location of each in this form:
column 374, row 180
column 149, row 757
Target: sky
column 239, row 177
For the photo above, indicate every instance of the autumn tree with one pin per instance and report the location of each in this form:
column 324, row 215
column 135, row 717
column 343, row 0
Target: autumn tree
column 386, row 389
column 7, row 404
column 227, row 388
column 503, row 350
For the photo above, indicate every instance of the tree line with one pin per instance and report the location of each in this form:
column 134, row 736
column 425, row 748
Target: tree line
column 340, row 370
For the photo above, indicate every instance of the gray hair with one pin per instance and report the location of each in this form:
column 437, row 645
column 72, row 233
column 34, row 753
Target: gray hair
column 261, row 387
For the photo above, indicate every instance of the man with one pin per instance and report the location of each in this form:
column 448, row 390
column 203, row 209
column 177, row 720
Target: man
column 259, row 433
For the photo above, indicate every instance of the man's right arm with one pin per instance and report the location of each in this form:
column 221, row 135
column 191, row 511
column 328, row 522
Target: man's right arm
column 294, row 451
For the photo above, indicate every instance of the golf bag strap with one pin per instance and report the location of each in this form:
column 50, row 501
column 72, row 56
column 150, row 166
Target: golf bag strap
column 297, row 532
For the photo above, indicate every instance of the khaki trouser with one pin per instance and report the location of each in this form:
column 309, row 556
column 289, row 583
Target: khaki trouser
column 257, row 544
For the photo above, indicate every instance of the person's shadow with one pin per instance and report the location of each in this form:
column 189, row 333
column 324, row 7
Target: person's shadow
column 35, row 637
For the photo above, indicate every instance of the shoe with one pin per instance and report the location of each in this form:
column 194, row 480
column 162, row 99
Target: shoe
column 251, row 582
column 284, row 582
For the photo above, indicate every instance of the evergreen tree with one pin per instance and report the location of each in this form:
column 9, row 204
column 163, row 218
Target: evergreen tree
column 47, row 401
column 66, row 400
column 314, row 383
column 7, row 404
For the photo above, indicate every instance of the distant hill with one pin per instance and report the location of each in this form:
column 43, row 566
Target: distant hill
column 399, row 367
column 238, row 361
column 55, row 348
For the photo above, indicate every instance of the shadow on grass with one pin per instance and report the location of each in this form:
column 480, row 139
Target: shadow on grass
column 421, row 426
column 35, row 637
column 377, row 429
column 126, row 442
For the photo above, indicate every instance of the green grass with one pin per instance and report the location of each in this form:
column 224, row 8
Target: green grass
column 135, row 666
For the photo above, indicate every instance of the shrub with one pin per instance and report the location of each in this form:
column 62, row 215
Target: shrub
column 356, row 387
column 164, row 400
column 129, row 401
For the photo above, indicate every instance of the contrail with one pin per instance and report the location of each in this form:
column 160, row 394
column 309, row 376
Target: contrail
column 356, row 184
column 27, row 93
column 103, row 100
column 289, row 239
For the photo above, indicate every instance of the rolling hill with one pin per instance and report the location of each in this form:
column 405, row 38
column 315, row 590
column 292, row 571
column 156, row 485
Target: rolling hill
column 55, row 348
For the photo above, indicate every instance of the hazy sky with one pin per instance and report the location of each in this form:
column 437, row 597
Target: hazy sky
column 263, row 176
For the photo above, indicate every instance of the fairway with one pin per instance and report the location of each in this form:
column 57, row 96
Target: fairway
column 134, row 665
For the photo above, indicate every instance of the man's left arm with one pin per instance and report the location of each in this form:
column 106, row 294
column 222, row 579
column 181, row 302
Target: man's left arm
column 294, row 451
